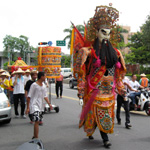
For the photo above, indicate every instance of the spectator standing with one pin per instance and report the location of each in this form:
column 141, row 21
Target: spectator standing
column 59, row 85
column 5, row 82
column 1, row 71
column 19, row 92
column 27, row 76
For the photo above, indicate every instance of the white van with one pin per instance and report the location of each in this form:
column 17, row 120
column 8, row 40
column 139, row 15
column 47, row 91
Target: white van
column 66, row 72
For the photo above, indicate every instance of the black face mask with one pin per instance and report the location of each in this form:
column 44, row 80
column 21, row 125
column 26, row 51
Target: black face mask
column 106, row 52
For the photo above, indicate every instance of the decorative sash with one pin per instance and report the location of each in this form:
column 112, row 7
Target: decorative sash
column 92, row 82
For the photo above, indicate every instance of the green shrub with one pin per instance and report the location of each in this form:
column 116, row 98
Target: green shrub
column 138, row 76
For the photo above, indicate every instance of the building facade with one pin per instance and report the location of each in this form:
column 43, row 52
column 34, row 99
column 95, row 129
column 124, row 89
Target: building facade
column 127, row 36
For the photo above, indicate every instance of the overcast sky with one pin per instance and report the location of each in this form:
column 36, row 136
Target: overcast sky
column 44, row 20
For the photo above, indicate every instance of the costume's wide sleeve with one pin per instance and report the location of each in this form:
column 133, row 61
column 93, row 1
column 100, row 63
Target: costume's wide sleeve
column 80, row 70
column 118, row 72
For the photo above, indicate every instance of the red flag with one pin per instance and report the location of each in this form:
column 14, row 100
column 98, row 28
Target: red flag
column 78, row 41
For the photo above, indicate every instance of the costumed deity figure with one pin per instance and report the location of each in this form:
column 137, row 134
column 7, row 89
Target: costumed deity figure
column 97, row 68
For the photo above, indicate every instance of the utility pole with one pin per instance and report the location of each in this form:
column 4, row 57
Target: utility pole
column 23, row 53
column 8, row 55
column 28, row 59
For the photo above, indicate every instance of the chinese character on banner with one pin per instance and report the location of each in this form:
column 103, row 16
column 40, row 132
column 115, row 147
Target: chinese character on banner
column 49, row 61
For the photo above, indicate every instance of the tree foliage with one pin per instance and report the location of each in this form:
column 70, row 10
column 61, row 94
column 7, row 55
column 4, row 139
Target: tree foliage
column 66, row 61
column 69, row 32
column 121, row 43
column 15, row 45
column 140, row 45
column 6, row 64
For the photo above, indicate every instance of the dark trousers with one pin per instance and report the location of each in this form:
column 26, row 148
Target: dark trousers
column 59, row 85
column 11, row 97
column 121, row 101
column 133, row 95
column 18, row 97
column 104, row 136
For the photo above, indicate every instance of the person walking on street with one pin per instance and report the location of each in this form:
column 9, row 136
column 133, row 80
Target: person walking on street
column 19, row 92
column 35, row 101
column 30, row 82
column 144, row 81
column 121, row 100
column 28, row 85
column 59, row 85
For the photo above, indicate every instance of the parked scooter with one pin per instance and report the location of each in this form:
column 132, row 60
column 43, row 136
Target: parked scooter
column 142, row 101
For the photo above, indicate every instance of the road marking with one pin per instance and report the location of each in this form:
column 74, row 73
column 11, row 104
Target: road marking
column 135, row 112
column 76, row 99
column 122, row 109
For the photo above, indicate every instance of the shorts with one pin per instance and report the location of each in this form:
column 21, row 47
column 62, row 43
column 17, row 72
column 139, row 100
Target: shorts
column 36, row 116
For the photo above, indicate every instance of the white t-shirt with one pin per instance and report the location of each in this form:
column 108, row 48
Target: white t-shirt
column 134, row 85
column 19, row 87
column 26, row 79
column 125, row 80
column 37, row 94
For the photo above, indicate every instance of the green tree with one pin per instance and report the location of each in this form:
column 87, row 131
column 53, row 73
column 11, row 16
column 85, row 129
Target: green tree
column 10, row 47
column 69, row 32
column 66, row 61
column 120, row 30
column 140, row 45
column 14, row 46
column 6, row 64
column 146, row 33
column 23, row 46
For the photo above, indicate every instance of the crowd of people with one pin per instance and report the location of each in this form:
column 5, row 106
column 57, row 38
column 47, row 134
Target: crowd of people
column 26, row 87
column 16, row 86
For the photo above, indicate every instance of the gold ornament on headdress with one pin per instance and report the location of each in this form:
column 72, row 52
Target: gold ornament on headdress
column 105, row 17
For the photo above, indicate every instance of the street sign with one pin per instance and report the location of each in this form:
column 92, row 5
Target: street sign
column 60, row 43
column 50, row 43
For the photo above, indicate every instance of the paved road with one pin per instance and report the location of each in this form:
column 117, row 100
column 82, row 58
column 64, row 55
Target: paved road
column 60, row 130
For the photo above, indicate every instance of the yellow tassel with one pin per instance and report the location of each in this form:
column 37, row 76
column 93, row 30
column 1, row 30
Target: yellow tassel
column 72, row 41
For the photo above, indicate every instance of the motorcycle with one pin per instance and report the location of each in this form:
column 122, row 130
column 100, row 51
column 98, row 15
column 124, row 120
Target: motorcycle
column 142, row 101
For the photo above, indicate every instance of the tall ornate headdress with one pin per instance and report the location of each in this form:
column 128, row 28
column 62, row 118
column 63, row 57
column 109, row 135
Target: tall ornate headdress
column 105, row 17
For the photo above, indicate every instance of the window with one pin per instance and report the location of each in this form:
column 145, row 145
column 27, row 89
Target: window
column 66, row 70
